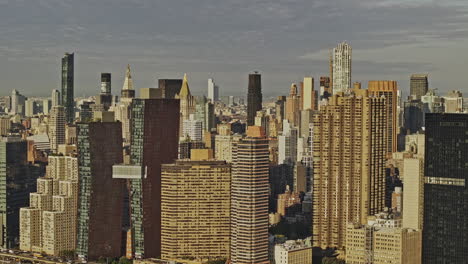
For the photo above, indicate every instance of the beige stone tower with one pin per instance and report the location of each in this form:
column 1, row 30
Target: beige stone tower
column 349, row 164
column 195, row 204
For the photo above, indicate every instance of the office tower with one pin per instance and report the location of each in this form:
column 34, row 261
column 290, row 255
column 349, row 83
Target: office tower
column 18, row 180
column 99, row 213
column 389, row 90
column 46, row 105
column 293, row 109
column 309, row 97
column 224, row 143
column 187, row 102
column 193, row 129
column 186, row 145
column 57, row 127
column 5, row 125
column 279, row 108
column 123, row 108
column 204, row 111
column 105, row 97
column 213, row 91
column 254, row 97
column 325, row 87
column 155, row 137
column 67, row 87
column 304, row 125
column 49, row 223
column 17, row 103
column 128, row 92
column 30, row 106
column 413, row 116
column 293, row 252
column 263, row 120
column 445, row 194
column 434, row 103
column 170, row 87
column 287, row 144
column 382, row 240
column 342, row 68
column 419, row 85
column 55, row 98
column 413, row 198
column 349, row 147
column 195, row 205
column 249, row 199
column 453, row 102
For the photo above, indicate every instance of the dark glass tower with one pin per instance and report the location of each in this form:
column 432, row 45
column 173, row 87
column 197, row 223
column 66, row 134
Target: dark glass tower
column 418, row 85
column 445, row 229
column 254, row 97
column 17, row 180
column 67, row 86
column 100, row 197
column 105, row 97
column 169, row 87
column 154, row 141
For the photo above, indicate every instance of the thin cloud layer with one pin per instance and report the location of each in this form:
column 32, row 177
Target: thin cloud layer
column 284, row 39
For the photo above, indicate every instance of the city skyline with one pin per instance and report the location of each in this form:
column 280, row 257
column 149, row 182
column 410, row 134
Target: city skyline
column 404, row 37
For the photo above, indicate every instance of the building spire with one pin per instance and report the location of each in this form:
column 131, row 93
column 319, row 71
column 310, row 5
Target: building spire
column 184, row 90
column 128, row 82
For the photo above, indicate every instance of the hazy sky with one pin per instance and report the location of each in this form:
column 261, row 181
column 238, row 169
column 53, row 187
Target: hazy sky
column 283, row 39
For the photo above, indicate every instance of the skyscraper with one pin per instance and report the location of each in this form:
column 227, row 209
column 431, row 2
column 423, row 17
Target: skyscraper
column 204, row 111
column 213, row 91
column 155, row 137
column 57, row 127
column 122, row 109
column 105, row 97
column 99, row 213
column 187, row 102
column 293, row 110
column 29, row 107
column 127, row 90
column 195, row 200
column 249, row 199
column 342, row 68
column 349, row 147
column 388, row 89
column 55, row 97
column 254, row 97
column 17, row 103
column 445, row 192
column 169, row 87
column 193, row 129
column 68, row 87
column 18, row 180
column 309, row 99
column 49, row 223
column 325, row 87
column 46, row 106
column 419, row 85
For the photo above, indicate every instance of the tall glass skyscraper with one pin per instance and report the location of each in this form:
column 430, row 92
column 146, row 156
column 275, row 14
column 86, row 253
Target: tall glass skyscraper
column 67, row 86
column 154, row 141
column 445, row 228
column 254, row 97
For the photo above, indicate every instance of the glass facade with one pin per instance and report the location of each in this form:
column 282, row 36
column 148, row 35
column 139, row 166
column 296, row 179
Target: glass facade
column 445, row 191
column 67, row 86
column 17, row 180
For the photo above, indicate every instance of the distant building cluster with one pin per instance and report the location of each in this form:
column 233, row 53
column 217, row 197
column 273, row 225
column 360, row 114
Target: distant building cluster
column 330, row 171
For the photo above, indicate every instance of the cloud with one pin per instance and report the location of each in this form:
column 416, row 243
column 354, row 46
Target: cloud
column 285, row 39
